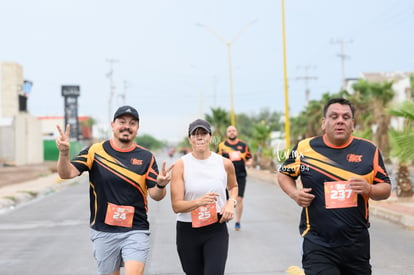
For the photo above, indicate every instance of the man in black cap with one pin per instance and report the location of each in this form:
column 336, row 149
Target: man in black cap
column 121, row 175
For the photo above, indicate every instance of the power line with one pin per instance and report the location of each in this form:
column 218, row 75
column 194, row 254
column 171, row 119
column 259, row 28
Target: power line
column 306, row 78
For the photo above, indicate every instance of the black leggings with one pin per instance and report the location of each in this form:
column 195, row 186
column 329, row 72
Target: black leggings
column 203, row 250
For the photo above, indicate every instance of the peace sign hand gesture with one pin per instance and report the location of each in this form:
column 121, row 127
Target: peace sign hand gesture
column 164, row 176
column 62, row 141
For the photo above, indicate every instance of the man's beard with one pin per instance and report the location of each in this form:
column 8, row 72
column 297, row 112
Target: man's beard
column 232, row 138
column 124, row 139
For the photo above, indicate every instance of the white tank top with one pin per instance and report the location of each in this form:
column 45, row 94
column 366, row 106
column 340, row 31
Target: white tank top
column 202, row 176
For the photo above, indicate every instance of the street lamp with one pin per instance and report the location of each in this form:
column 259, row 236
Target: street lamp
column 228, row 45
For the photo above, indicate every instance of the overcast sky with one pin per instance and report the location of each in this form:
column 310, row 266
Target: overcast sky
column 175, row 70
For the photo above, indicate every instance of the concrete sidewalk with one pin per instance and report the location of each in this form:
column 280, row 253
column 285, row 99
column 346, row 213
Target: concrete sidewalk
column 14, row 194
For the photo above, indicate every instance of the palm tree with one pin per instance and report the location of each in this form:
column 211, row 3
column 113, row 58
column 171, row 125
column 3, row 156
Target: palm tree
column 261, row 137
column 375, row 98
column 403, row 147
column 308, row 122
column 219, row 120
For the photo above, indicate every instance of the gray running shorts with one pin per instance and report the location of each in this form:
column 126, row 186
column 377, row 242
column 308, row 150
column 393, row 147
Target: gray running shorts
column 111, row 250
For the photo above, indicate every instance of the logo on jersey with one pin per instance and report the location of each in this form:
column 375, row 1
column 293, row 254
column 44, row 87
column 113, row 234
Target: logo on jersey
column 135, row 161
column 354, row 158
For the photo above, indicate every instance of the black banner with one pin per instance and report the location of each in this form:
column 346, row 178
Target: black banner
column 70, row 94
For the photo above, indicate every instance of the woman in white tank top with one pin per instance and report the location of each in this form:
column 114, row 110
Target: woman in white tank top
column 198, row 196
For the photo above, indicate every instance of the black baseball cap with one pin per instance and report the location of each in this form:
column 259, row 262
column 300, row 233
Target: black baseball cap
column 199, row 123
column 126, row 110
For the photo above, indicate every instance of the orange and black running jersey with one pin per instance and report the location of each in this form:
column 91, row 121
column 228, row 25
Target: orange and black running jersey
column 316, row 163
column 117, row 177
column 238, row 152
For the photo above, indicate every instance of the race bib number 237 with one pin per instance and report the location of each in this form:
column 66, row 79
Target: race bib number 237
column 338, row 194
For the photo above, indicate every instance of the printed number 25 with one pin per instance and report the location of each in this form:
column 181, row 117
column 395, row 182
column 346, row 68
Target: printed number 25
column 202, row 215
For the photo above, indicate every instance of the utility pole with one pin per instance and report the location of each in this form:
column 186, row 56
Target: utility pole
column 123, row 95
column 342, row 56
column 306, row 77
column 110, row 75
column 229, row 60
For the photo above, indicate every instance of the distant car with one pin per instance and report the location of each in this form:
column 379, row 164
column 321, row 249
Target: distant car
column 185, row 150
column 171, row 151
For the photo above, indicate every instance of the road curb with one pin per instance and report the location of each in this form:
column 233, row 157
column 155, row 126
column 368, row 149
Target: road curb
column 393, row 216
column 16, row 194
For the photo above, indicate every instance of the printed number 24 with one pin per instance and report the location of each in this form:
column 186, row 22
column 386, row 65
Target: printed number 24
column 119, row 216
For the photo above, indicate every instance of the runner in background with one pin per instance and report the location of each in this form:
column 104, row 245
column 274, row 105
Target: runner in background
column 238, row 152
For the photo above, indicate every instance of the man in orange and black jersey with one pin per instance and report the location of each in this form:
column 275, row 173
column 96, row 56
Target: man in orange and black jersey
column 238, row 152
column 339, row 173
column 121, row 175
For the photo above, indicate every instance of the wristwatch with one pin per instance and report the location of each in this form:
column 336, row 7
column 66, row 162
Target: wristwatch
column 235, row 202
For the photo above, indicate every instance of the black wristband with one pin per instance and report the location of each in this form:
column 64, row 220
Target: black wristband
column 160, row 186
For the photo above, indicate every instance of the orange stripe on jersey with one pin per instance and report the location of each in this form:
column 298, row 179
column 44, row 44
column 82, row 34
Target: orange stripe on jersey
column 127, row 175
column 122, row 150
column 95, row 203
column 332, row 176
column 151, row 171
column 126, row 179
column 377, row 167
column 325, row 139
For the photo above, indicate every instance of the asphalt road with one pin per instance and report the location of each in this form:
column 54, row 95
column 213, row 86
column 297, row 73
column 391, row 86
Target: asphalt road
column 50, row 236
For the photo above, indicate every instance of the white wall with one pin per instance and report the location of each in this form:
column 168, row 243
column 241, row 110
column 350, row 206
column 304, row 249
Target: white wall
column 11, row 81
column 28, row 140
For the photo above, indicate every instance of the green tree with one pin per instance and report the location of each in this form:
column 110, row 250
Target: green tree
column 244, row 125
column 257, row 132
column 261, row 142
column 149, row 142
column 254, row 129
column 308, row 122
column 402, row 142
column 219, row 120
column 372, row 100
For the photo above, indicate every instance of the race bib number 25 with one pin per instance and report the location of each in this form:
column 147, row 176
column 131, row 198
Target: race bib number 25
column 338, row 194
column 204, row 215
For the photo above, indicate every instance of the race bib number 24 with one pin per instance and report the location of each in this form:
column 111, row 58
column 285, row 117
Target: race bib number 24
column 119, row 215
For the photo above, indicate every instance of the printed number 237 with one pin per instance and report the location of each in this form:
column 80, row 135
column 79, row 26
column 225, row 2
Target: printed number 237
column 341, row 194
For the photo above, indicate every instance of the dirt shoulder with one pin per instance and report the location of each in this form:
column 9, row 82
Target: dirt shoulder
column 17, row 174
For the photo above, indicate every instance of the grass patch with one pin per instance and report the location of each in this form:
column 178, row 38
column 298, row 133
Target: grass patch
column 12, row 198
column 31, row 193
